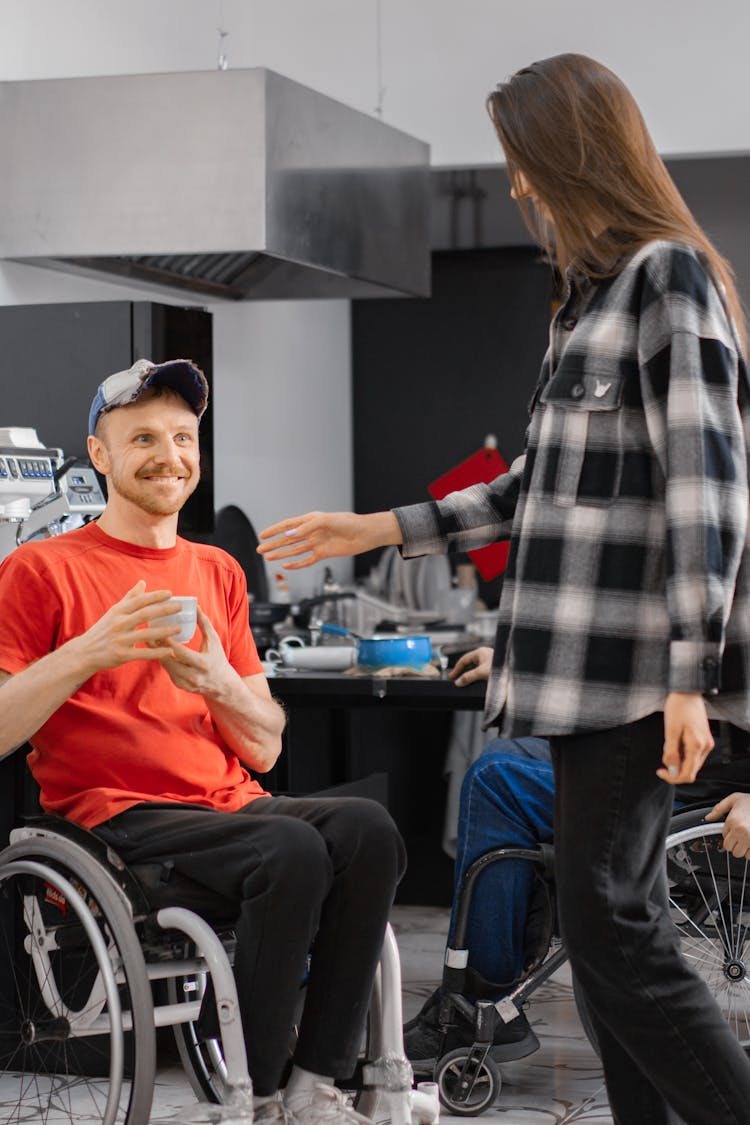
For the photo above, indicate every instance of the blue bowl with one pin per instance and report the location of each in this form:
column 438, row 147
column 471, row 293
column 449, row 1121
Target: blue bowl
column 382, row 650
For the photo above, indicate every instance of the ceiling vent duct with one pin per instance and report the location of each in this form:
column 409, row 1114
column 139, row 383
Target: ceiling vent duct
column 236, row 184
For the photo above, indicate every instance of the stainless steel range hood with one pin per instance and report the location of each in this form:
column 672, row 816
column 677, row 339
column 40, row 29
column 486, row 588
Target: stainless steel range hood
column 233, row 184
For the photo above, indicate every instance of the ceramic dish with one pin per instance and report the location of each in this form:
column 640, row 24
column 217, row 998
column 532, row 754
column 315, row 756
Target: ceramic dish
column 320, row 658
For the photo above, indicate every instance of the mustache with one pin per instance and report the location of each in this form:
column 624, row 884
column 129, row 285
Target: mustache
column 172, row 471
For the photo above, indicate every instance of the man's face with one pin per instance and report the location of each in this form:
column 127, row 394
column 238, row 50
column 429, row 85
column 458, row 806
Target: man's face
column 149, row 452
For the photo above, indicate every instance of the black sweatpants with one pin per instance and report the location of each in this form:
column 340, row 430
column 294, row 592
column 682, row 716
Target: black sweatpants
column 297, row 874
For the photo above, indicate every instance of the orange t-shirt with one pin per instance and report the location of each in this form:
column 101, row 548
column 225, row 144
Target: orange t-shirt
column 128, row 734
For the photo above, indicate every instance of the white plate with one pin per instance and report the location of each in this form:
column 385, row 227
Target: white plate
column 322, row 658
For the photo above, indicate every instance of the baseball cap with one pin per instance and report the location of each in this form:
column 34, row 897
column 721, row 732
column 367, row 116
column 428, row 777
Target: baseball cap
column 181, row 375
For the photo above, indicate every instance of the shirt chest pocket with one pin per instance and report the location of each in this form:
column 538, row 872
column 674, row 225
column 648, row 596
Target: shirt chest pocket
column 584, row 439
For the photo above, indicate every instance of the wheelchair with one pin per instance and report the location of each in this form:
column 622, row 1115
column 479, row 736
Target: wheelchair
column 709, row 901
column 96, row 966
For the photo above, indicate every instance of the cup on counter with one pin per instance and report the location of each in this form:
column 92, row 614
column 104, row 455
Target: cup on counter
column 294, row 653
column 185, row 615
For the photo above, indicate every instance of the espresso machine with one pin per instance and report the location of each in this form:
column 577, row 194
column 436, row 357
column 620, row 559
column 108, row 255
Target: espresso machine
column 41, row 492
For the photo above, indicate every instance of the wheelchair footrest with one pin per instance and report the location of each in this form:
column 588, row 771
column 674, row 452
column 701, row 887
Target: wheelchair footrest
column 390, row 1072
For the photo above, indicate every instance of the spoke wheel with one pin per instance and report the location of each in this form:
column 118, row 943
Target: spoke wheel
column 77, row 1038
column 203, row 1058
column 710, row 905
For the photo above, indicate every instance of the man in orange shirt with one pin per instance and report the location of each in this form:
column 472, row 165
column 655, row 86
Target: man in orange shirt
column 153, row 744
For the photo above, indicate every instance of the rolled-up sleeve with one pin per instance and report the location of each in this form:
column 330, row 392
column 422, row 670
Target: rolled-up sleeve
column 464, row 520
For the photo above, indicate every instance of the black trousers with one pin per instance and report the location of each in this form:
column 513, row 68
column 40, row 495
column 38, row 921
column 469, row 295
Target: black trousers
column 668, row 1053
column 296, row 874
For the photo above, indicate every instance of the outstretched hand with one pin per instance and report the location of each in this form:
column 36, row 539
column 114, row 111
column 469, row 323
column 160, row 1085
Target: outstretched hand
column 316, row 536
column 687, row 738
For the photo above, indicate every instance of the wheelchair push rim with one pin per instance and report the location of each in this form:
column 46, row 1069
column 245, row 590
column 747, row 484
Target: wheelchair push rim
column 77, row 991
column 709, row 899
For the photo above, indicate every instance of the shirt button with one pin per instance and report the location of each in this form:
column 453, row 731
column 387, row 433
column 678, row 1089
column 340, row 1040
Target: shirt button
column 577, row 390
column 569, row 323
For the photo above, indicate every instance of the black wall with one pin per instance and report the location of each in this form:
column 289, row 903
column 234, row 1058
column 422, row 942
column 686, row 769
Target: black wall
column 432, row 377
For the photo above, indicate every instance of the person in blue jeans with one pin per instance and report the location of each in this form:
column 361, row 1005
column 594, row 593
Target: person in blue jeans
column 507, row 800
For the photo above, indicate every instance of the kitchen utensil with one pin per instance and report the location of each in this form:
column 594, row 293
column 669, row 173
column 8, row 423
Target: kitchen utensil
column 383, row 649
column 339, row 630
column 293, row 653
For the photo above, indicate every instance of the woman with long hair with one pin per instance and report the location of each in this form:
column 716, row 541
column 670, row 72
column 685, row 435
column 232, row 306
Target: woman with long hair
column 624, row 621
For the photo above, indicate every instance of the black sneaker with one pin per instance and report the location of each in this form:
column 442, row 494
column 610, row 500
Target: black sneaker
column 425, row 1043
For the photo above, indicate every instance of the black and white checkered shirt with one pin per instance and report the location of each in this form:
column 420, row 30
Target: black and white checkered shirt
column 628, row 513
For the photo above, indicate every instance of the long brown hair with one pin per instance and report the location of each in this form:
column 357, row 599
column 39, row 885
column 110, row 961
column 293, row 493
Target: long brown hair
column 572, row 129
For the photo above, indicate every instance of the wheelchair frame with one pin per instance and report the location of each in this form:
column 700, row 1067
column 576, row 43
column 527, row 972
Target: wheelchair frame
column 95, row 901
column 710, row 904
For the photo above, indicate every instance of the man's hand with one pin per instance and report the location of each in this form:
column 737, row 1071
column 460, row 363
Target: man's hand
column 687, row 738
column 205, row 671
column 734, row 810
column 472, row 666
column 246, row 716
column 129, row 630
column 327, row 535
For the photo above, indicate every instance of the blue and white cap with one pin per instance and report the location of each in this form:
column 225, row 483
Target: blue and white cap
column 181, row 375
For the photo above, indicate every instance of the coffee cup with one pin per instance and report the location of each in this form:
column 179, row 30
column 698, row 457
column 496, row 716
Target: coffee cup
column 185, row 615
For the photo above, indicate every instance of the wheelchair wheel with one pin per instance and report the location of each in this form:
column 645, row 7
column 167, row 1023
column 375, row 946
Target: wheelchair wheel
column 203, row 1058
column 465, row 1088
column 710, row 903
column 77, row 1036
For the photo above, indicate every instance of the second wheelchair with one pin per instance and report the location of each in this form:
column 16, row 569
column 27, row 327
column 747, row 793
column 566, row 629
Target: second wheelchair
column 710, row 906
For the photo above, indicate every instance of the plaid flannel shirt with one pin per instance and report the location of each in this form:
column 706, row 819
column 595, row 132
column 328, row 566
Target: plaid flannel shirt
column 627, row 575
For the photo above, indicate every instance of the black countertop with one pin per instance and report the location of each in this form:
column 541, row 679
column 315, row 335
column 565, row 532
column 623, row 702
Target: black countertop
column 331, row 689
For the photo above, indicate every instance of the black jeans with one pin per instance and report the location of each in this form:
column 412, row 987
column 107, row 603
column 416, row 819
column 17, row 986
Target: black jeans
column 295, row 873
column 668, row 1053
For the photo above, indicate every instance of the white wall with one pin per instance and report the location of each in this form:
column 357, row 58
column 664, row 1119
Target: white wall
column 282, row 369
column 685, row 60
column 282, row 417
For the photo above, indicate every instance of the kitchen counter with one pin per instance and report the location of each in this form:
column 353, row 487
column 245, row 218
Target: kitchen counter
column 381, row 738
column 326, row 689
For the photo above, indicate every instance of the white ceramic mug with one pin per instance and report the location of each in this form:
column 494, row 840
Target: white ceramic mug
column 294, row 653
column 185, row 615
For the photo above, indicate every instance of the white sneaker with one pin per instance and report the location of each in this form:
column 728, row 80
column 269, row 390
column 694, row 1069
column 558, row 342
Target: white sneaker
column 275, row 1113
column 330, row 1107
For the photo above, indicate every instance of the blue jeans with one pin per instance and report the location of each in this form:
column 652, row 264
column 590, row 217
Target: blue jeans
column 665, row 1046
column 507, row 800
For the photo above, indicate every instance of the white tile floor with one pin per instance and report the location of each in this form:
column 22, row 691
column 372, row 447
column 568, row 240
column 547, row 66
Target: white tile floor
column 559, row 1084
